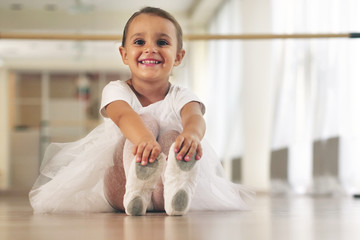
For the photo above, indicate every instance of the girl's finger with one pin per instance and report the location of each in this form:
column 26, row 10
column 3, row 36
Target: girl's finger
column 154, row 154
column 184, row 150
column 191, row 152
column 139, row 152
column 145, row 155
column 178, row 142
column 198, row 152
column 134, row 150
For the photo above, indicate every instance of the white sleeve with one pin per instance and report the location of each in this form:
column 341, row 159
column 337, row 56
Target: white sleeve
column 183, row 96
column 113, row 91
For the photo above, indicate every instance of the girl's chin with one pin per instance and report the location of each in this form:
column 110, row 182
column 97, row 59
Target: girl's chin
column 151, row 78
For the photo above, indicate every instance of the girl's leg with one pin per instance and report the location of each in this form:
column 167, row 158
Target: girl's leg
column 165, row 140
column 115, row 176
column 141, row 180
column 114, row 180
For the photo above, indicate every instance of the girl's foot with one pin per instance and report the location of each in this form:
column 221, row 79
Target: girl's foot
column 140, row 184
column 179, row 184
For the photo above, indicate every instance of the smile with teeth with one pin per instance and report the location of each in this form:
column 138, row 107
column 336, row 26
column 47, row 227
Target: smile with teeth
column 149, row 62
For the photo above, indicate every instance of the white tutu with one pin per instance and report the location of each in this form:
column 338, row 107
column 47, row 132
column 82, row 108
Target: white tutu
column 72, row 177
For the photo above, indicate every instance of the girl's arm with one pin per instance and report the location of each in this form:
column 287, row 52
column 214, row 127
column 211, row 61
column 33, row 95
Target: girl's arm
column 188, row 142
column 131, row 125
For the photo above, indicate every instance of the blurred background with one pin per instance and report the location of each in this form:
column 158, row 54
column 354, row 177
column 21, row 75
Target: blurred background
column 283, row 115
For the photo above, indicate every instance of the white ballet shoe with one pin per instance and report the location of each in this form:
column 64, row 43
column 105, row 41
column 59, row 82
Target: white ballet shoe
column 179, row 184
column 140, row 184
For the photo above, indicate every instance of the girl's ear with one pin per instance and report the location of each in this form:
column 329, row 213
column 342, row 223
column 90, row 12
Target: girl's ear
column 179, row 57
column 123, row 54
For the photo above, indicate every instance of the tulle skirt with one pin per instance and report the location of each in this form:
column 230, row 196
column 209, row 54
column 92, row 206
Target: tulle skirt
column 72, row 177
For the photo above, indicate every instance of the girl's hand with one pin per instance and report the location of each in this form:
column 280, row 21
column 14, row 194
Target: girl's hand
column 146, row 151
column 188, row 142
column 186, row 145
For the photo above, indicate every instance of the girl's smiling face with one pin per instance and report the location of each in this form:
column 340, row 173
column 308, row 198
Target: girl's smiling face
column 151, row 49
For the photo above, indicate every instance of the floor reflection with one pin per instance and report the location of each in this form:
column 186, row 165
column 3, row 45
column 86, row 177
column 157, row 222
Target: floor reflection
column 285, row 217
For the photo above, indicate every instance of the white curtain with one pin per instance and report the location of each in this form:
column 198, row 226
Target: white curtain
column 223, row 115
column 317, row 88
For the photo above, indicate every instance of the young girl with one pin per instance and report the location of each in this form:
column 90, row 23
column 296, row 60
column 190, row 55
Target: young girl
column 147, row 157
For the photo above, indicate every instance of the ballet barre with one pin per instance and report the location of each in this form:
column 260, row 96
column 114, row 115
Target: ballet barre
column 272, row 36
column 189, row 37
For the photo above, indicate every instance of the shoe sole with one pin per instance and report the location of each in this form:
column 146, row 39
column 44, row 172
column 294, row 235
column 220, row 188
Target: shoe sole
column 136, row 207
column 186, row 166
column 180, row 201
column 145, row 172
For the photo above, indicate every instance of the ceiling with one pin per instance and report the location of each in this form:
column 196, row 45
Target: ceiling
column 77, row 17
column 95, row 5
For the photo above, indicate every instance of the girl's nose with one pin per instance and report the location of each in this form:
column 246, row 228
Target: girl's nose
column 151, row 48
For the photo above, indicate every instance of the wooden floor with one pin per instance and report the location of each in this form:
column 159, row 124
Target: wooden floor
column 271, row 218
